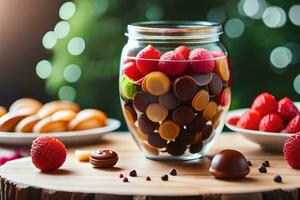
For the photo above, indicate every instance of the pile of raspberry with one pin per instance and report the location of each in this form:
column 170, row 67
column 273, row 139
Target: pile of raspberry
column 268, row 115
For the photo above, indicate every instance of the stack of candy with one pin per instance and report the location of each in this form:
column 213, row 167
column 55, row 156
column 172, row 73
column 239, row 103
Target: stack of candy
column 175, row 101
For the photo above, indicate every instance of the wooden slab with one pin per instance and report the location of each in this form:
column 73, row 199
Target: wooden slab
column 193, row 178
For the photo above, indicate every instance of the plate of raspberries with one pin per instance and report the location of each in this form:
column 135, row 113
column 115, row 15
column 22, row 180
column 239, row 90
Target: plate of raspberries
column 268, row 122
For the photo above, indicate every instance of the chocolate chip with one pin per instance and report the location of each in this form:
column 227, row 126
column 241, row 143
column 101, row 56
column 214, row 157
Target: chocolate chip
column 169, row 100
column 148, row 178
column 165, row 177
column 133, row 173
column 175, row 148
column 206, row 131
column 125, row 179
column 266, row 163
column 202, row 79
column 155, row 140
column 262, row 169
column 277, row 179
column 216, row 84
column 183, row 115
column 249, row 163
column 197, row 147
column 185, row 88
column 121, row 176
column 173, row 172
column 146, row 125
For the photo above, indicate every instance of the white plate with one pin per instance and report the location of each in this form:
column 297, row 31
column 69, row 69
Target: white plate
column 268, row 141
column 68, row 138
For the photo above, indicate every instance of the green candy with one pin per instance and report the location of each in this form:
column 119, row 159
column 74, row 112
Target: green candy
column 127, row 87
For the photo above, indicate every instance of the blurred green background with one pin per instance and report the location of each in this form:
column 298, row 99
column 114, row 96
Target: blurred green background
column 82, row 46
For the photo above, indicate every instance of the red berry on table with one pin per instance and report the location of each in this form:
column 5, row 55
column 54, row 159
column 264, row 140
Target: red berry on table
column 287, row 109
column 249, row 120
column 233, row 120
column 265, row 103
column 271, row 123
column 184, row 50
column 293, row 126
column 48, row 153
column 202, row 61
column 147, row 59
column 170, row 63
column 132, row 72
column 291, row 151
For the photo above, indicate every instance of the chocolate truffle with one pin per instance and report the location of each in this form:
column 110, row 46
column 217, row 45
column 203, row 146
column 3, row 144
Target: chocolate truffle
column 103, row 159
column 229, row 164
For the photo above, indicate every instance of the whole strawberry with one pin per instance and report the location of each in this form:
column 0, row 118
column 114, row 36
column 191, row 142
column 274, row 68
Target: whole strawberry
column 291, row 151
column 249, row 120
column 265, row 103
column 293, row 126
column 48, row 153
column 287, row 109
column 271, row 123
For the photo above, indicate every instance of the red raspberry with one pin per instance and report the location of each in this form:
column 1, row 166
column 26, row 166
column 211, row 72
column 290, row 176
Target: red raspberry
column 170, row 65
column 147, row 59
column 131, row 71
column 249, row 120
column 271, row 123
column 184, row 50
column 293, row 126
column 48, row 153
column 233, row 120
column 264, row 103
column 287, row 109
column 291, row 151
column 202, row 61
column 217, row 54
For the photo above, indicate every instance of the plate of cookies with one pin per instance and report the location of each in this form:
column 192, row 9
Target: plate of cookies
column 28, row 118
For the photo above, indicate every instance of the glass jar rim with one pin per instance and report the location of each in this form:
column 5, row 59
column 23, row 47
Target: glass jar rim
column 176, row 30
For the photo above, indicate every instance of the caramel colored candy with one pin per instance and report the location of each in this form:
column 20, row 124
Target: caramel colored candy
column 216, row 119
column 157, row 83
column 130, row 114
column 49, row 108
column 185, row 88
column 82, row 156
column 9, row 121
column 47, row 125
column 200, row 100
column 144, row 88
column 64, row 115
column 169, row 130
column 229, row 164
column 28, row 105
column 183, row 115
column 150, row 149
column 210, row 110
column 26, row 125
column 156, row 112
column 221, row 67
column 3, row 111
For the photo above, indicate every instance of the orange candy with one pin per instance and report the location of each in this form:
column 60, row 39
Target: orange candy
column 210, row 110
column 200, row 100
column 221, row 67
column 156, row 112
column 169, row 130
column 157, row 83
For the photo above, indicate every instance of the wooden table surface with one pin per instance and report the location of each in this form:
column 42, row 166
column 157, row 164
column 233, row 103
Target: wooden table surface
column 76, row 180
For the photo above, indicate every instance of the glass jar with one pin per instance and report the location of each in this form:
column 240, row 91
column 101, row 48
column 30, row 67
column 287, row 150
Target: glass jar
column 175, row 87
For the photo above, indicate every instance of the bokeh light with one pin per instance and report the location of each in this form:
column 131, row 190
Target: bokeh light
column 216, row 14
column 154, row 13
column 281, row 57
column 76, row 46
column 295, row 49
column 297, row 84
column 274, row 17
column 72, row 73
column 234, row 28
column 61, row 29
column 251, row 7
column 49, row 40
column 100, row 7
column 43, row 69
column 67, row 10
column 67, row 93
column 294, row 14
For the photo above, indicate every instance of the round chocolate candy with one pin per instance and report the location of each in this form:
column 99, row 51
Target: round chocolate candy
column 175, row 148
column 157, row 83
column 197, row 147
column 183, row 115
column 210, row 110
column 130, row 113
column 216, row 84
column 155, row 140
column 168, row 130
column 197, row 124
column 141, row 101
column 169, row 100
column 156, row 112
column 103, row 159
column 200, row 100
column 202, row 79
column 206, row 131
column 185, row 137
column 185, row 88
column 229, row 164
column 146, row 125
